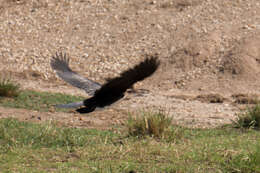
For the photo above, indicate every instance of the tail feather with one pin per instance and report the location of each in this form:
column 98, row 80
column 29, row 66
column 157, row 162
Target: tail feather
column 70, row 105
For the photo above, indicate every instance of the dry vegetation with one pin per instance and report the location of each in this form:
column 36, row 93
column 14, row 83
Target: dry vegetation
column 249, row 118
column 154, row 124
column 8, row 88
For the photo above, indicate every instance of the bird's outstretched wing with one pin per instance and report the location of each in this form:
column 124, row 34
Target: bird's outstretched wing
column 60, row 63
column 127, row 78
column 114, row 89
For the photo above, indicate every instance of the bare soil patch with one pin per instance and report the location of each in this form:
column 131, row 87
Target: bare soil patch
column 97, row 119
column 205, row 46
column 211, row 98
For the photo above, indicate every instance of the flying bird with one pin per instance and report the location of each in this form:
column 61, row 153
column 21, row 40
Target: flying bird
column 108, row 93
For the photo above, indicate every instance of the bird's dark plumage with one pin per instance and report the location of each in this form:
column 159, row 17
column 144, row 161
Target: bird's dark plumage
column 112, row 90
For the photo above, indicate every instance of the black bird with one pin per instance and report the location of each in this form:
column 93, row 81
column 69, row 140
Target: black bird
column 111, row 91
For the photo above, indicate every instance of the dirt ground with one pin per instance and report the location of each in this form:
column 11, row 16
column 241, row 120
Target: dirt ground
column 209, row 52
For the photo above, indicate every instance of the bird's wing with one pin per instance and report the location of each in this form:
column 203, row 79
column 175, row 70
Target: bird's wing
column 70, row 105
column 118, row 85
column 60, row 63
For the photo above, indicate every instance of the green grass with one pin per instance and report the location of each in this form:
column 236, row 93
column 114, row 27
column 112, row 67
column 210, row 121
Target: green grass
column 40, row 101
column 28, row 147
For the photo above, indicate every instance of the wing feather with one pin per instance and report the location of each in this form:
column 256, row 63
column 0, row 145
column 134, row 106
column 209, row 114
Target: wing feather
column 114, row 89
column 127, row 78
column 60, row 63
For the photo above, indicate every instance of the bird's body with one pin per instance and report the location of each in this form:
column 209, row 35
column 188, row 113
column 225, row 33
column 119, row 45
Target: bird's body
column 102, row 95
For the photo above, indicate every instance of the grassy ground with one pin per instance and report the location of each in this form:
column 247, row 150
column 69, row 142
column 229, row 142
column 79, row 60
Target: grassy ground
column 28, row 147
column 40, row 101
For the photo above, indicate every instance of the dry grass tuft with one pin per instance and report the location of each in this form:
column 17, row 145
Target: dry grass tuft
column 8, row 88
column 245, row 99
column 149, row 123
column 250, row 118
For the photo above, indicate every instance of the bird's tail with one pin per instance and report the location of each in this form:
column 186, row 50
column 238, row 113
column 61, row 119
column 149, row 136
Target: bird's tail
column 70, row 105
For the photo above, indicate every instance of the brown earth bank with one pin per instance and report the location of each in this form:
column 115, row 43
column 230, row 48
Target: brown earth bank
column 209, row 52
